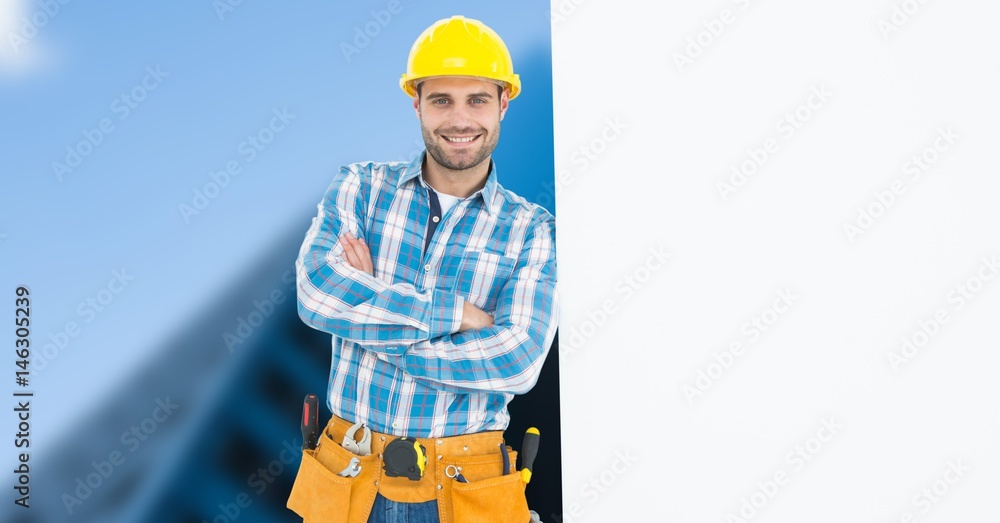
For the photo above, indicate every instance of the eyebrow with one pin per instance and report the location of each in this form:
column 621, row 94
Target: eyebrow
column 483, row 94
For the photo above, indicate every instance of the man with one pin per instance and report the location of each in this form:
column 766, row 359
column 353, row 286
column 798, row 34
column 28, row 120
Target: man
column 439, row 288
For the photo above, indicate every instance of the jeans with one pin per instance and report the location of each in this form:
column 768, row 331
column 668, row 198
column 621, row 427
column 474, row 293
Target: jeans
column 388, row 511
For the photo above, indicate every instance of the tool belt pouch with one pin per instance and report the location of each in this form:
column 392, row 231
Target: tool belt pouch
column 320, row 495
column 488, row 497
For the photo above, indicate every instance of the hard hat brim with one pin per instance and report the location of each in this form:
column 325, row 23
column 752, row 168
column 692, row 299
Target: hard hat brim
column 409, row 85
column 409, row 82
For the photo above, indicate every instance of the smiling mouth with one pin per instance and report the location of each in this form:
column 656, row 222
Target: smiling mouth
column 461, row 139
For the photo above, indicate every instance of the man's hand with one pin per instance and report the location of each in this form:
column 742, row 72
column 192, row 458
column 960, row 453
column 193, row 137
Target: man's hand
column 474, row 318
column 357, row 253
column 359, row 257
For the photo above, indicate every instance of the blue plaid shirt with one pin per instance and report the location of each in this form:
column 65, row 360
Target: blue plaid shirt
column 399, row 363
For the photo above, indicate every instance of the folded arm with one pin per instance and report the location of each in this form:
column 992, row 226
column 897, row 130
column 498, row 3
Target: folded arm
column 350, row 303
column 508, row 355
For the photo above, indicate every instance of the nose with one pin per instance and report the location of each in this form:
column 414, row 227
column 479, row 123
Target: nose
column 461, row 117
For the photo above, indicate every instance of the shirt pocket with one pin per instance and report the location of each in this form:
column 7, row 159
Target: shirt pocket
column 481, row 276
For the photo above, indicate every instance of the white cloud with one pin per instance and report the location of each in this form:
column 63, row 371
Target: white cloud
column 21, row 52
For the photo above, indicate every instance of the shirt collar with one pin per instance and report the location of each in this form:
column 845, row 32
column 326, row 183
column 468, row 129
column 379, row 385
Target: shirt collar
column 413, row 171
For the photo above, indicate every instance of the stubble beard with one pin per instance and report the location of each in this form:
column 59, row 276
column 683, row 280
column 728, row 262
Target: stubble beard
column 461, row 160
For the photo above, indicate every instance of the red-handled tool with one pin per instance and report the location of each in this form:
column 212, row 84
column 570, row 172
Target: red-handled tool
column 310, row 422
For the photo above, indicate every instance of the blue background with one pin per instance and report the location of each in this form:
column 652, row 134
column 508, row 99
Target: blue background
column 193, row 279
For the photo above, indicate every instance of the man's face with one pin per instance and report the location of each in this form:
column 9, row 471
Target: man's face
column 460, row 119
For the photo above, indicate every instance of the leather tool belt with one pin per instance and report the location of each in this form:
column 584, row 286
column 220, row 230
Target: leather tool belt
column 321, row 494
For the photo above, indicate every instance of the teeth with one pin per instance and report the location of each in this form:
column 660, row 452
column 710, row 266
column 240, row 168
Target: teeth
column 460, row 140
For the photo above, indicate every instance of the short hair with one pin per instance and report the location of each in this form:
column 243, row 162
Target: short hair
column 500, row 89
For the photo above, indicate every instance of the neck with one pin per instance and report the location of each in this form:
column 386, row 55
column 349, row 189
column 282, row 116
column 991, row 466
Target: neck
column 461, row 183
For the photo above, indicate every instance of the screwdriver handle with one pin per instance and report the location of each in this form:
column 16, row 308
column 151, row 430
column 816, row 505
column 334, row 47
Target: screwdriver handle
column 529, row 449
column 310, row 421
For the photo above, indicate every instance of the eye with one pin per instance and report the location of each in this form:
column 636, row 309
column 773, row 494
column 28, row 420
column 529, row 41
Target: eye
column 440, row 101
column 478, row 100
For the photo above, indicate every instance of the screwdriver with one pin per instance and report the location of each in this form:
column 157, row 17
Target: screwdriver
column 506, row 458
column 529, row 449
column 310, row 422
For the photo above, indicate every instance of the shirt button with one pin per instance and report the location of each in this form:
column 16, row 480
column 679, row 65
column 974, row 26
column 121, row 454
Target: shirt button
column 427, row 267
column 435, row 219
column 395, row 425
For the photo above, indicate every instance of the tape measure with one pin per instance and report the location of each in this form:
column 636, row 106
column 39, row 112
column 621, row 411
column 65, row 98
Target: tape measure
column 405, row 457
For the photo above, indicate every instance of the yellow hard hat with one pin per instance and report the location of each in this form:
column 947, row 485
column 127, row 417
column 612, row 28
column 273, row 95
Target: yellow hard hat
column 460, row 46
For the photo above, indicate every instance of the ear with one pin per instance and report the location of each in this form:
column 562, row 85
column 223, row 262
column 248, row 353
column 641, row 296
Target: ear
column 504, row 103
column 416, row 106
